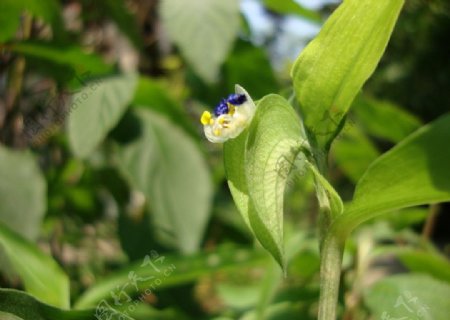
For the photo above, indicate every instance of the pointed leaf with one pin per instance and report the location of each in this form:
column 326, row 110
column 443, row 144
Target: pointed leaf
column 96, row 109
column 414, row 172
column 273, row 142
column 332, row 69
column 166, row 165
column 204, row 30
column 40, row 274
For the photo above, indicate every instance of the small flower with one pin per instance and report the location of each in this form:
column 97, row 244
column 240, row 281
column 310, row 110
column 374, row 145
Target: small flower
column 230, row 117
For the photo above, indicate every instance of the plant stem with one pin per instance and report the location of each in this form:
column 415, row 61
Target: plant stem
column 330, row 272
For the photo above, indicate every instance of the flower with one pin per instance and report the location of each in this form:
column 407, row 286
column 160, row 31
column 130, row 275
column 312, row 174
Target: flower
column 230, row 117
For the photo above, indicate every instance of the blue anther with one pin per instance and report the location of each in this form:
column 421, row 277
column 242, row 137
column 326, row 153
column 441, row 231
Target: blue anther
column 236, row 99
column 221, row 108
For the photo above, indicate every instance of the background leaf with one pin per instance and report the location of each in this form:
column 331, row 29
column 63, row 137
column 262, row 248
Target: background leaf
column 353, row 151
column 187, row 269
column 203, row 30
column 432, row 264
column 332, row 69
column 72, row 56
column 40, row 274
column 292, row 7
column 10, row 11
column 383, row 119
column 96, row 109
column 20, row 179
column 418, row 172
column 166, row 165
column 411, row 296
column 27, row 307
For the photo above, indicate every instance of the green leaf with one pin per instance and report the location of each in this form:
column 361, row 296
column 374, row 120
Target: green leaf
column 23, row 192
column 184, row 269
column 273, row 142
column 292, row 7
column 414, row 172
column 166, row 165
column 40, row 274
column 96, row 109
column 11, row 10
column 331, row 70
column 72, row 56
column 383, row 119
column 409, row 297
column 203, row 30
column 25, row 307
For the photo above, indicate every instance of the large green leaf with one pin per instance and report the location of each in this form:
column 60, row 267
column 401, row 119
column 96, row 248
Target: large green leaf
column 184, row 269
column 166, row 165
column 26, row 307
column 71, row 56
column 23, row 192
column 273, row 142
column 332, row 69
column 204, row 31
column 409, row 297
column 96, row 109
column 414, row 172
column 40, row 274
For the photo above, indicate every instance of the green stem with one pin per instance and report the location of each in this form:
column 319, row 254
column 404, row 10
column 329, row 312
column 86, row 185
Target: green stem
column 330, row 272
column 331, row 249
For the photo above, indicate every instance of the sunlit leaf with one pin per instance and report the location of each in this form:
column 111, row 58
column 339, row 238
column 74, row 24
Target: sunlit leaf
column 204, row 31
column 167, row 166
column 96, row 109
column 329, row 73
column 40, row 274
